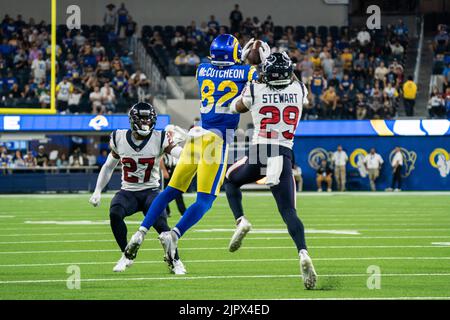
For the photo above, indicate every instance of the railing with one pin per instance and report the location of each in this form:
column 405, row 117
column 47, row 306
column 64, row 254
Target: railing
column 48, row 169
column 158, row 84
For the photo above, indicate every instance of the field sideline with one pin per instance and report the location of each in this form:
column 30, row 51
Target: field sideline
column 406, row 235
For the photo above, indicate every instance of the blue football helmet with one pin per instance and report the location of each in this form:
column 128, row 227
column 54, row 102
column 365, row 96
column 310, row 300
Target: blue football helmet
column 225, row 50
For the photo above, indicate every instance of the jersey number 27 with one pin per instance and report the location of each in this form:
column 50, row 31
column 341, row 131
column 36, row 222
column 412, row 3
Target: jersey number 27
column 130, row 166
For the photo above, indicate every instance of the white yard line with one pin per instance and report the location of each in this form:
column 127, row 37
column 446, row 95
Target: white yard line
column 226, row 248
column 138, row 222
column 25, row 230
column 249, row 238
column 246, row 194
column 26, row 265
column 262, row 276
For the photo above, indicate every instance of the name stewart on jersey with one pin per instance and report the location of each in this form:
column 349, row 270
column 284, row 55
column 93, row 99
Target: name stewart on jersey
column 224, row 74
column 279, row 98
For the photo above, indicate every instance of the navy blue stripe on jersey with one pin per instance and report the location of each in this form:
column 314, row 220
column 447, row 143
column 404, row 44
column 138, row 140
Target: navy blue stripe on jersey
column 303, row 89
column 139, row 147
column 163, row 137
column 252, row 92
column 114, row 138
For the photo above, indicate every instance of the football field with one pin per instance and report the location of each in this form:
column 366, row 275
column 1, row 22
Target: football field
column 363, row 245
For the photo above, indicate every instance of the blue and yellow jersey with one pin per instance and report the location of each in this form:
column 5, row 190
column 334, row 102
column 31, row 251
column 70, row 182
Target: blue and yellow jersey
column 218, row 87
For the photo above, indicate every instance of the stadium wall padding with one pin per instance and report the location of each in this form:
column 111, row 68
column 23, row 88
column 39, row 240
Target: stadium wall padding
column 427, row 160
column 31, row 182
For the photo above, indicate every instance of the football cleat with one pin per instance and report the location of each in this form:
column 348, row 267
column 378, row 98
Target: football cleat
column 133, row 246
column 169, row 241
column 308, row 273
column 178, row 267
column 123, row 264
column 243, row 227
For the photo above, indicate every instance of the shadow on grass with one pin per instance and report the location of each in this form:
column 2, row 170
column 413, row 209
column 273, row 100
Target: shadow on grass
column 328, row 284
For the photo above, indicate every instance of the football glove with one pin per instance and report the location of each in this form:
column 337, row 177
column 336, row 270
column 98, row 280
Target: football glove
column 264, row 51
column 95, row 199
column 247, row 48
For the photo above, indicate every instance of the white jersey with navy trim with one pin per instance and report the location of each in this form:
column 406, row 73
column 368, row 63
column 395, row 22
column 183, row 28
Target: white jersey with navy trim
column 139, row 158
column 275, row 113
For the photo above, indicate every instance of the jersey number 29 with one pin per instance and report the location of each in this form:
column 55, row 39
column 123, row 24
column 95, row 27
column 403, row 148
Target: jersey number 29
column 289, row 116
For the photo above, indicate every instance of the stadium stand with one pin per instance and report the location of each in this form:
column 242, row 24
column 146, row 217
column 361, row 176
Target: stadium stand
column 95, row 70
column 365, row 68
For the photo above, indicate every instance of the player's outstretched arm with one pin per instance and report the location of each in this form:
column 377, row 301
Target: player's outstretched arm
column 103, row 177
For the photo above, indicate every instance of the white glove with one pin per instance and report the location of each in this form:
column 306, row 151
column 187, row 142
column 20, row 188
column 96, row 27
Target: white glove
column 246, row 50
column 264, row 51
column 95, row 199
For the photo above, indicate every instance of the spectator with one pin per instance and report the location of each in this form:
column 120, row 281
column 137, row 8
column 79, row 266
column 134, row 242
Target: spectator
column 361, row 107
column 329, row 101
column 108, row 98
column 122, row 18
column 43, row 93
column 39, row 69
column 5, row 160
column 339, row 160
column 74, row 100
column 30, row 160
column 409, row 96
column 236, row 19
column 96, row 101
column 324, row 174
column 192, row 59
column 110, row 17
column 77, row 159
column 79, row 40
column 18, row 160
column 62, row 161
column 397, row 165
column 373, row 162
column 436, row 104
column 41, row 157
column 381, row 71
column 363, row 37
column 63, row 91
column 181, row 58
column 101, row 158
column 98, row 49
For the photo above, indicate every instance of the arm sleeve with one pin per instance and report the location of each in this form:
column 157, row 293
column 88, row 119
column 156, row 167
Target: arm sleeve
column 105, row 173
column 113, row 142
column 248, row 95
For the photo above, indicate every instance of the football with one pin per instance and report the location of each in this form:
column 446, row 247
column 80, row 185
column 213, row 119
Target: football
column 253, row 56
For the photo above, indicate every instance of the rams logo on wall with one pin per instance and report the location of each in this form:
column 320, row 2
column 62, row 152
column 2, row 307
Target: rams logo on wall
column 317, row 155
column 98, row 122
column 440, row 159
column 409, row 160
column 356, row 160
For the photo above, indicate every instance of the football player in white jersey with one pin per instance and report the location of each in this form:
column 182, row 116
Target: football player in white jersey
column 139, row 149
column 276, row 106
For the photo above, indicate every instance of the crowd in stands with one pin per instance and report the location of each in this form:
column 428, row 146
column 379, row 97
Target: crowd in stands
column 351, row 74
column 439, row 102
column 95, row 69
column 54, row 159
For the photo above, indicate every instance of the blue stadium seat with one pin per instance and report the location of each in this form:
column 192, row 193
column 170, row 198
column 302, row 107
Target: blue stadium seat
column 300, row 32
column 311, row 29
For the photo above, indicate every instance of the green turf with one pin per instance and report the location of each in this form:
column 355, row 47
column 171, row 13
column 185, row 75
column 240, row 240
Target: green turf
column 395, row 233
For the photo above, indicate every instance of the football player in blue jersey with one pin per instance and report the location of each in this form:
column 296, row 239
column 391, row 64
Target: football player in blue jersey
column 205, row 152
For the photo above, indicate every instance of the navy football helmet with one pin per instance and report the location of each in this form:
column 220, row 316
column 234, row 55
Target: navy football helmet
column 142, row 118
column 277, row 69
